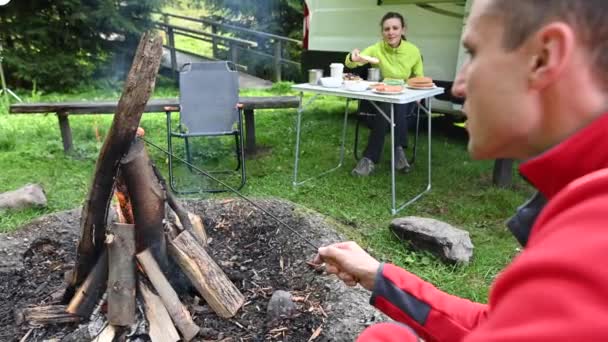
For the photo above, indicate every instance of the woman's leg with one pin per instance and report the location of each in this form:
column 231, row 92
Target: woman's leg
column 380, row 127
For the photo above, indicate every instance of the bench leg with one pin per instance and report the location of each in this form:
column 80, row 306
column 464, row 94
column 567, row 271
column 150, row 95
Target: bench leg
column 66, row 132
column 503, row 173
column 250, row 147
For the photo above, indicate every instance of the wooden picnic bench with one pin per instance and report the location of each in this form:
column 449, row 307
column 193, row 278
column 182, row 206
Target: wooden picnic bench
column 64, row 109
column 503, row 168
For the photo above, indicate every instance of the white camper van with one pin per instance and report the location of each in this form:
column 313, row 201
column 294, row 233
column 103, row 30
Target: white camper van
column 332, row 28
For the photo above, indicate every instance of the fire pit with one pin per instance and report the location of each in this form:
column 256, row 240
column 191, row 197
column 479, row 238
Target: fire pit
column 257, row 255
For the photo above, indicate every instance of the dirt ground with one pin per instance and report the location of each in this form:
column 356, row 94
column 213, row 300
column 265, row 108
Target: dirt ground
column 253, row 250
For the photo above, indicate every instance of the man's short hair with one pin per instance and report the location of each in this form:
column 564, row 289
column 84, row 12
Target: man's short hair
column 588, row 17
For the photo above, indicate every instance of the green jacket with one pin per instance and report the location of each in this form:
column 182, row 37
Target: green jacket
column 403, row 62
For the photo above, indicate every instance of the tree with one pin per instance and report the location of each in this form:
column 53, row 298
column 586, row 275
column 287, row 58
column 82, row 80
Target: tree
column 281, row 17
column 60, row 43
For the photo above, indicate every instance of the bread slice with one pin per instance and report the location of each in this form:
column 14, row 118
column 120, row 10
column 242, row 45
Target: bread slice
column 420, row 82
column 370, row 59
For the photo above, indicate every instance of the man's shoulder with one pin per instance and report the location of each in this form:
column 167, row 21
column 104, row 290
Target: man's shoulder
column 585, row 191
column 581, row 203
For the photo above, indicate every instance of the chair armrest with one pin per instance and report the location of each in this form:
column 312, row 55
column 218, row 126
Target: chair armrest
column 171, row 109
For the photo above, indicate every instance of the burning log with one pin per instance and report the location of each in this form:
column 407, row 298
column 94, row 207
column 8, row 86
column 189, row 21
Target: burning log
column 178, row 312
column 121, row 274
column 43, row 315
column 148, row 200
column 124, row 208
column 206, row 276
column 84, row 301
column 161, row 327
column 138, row 87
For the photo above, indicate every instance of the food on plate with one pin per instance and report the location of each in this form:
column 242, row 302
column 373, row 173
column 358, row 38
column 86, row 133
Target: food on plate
column 389, row 88
column 394, row 81
column 420, row 82
column 355, row 85
column 351, row 77
column 370, row 59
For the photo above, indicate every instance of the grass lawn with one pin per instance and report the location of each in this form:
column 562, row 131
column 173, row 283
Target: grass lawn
column 462, row 194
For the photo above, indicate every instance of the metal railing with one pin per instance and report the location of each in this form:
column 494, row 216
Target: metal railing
column 233, row 44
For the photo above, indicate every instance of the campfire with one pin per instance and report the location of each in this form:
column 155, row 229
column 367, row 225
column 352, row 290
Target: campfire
column 125, row 264
column 151, row 268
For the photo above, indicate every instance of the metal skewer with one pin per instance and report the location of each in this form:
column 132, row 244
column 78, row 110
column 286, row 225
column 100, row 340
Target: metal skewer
column 236, row 192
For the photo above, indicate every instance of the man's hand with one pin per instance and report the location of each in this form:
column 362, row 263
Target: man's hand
column 350, row 263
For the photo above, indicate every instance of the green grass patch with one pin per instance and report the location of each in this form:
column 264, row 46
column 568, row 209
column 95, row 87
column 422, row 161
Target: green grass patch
column 462, row 193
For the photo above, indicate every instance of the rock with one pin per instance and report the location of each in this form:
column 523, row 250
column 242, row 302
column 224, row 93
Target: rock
column 280, row 306
column 447, row 242
column 28, row 196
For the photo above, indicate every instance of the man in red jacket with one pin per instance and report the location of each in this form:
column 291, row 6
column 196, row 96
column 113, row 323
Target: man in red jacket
column 536, row 88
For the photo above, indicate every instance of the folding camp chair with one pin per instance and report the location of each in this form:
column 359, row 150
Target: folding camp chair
column 208, row 97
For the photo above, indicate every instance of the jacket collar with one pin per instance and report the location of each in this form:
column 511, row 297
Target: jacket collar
column 389, row 48
column 584, row 152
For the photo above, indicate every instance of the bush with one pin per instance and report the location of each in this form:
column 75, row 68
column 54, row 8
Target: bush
column 62, row 43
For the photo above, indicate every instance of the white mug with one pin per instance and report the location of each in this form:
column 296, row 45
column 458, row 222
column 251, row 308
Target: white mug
column 336, row 69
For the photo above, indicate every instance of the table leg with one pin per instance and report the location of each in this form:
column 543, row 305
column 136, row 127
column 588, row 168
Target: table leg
column 298, row 127
column 66, row 132
column 395, row 210
column 503, row 173
column 393, row 191
column 298, row 134
column 250, row 146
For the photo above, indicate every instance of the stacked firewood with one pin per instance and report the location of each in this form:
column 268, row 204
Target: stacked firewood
column 129, row 259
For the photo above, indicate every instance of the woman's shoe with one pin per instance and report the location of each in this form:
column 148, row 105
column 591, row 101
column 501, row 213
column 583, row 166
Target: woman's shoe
column 401, row 163
column 364, row 167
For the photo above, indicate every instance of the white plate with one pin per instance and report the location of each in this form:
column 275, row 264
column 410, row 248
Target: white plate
column 420, row 88
column 388, row 92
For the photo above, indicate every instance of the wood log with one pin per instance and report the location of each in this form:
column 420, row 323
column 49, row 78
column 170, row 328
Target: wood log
column 43, row 315
column 161, row 327
column 198, row 228
column 183, row 216
column 178, row 312
column 138, row 87
column 121, row 274
column 84, row 301
column 148, row 200
column 106, row 335
column 206, row 276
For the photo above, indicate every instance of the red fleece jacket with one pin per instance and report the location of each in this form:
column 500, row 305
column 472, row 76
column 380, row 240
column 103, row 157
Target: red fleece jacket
column 557, row 288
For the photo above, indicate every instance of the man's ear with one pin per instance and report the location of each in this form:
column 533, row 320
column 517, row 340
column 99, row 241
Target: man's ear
column 551, row 51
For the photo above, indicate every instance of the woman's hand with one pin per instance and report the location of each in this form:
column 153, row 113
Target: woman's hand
column 350, row 263
column 354, row 56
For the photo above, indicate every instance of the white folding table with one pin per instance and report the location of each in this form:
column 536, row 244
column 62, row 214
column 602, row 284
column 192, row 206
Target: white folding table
column 408, row 96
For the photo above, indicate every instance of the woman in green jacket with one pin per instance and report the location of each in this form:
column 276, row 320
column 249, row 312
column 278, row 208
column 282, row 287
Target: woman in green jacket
column 397, row 58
